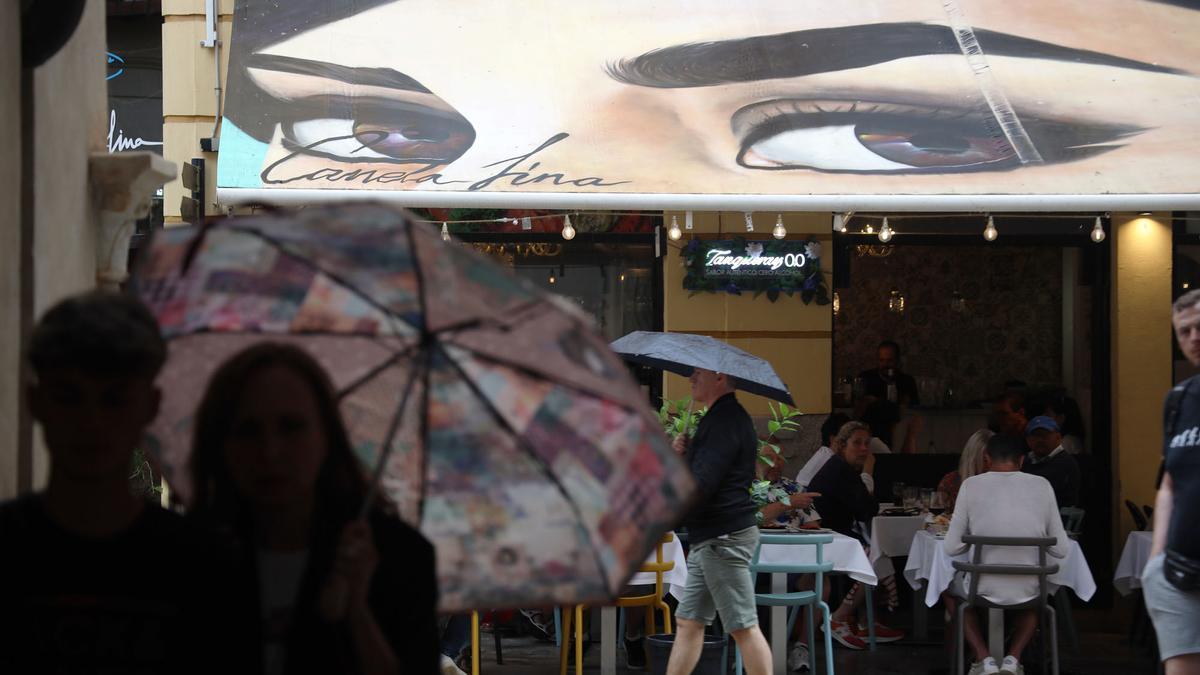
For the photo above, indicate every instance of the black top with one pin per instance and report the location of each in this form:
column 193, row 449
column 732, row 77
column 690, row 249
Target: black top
column 1181, row 458
column 875, row 385
column 1063, row 473
column 158, row 597
column 403, row 599
column 722, row 457
column 844, row 498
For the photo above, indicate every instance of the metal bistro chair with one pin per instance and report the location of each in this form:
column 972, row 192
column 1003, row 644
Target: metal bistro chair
column 797, row 599
column 976, row 569
column 1072, row 519
column 1139, row 520
column 574, row 615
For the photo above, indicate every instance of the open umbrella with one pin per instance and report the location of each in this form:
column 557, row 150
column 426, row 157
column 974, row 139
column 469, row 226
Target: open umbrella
column 499, row 422
column 681, row 353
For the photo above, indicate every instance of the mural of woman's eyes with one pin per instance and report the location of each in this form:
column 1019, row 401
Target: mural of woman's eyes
column 378, row 130
column 865, row 137
column 353, row 114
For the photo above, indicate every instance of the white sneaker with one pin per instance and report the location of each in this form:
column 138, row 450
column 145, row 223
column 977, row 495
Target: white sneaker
column 984, row 667
column 798, row 657
column 1011, row 666
column 448, row 667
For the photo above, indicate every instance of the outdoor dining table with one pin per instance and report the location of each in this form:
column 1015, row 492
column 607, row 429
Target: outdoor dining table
column 1134, row 557
column 930, row 565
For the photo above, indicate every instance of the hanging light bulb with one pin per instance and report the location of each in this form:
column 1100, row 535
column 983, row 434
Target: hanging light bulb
column 780, row 231
column 837, row 303
column 749, row 221
column 552, row 279
column 885, row 232
column 687, row 220
column 568, row 231
column 1098, row 231
column 673, row 232
column 869, row 229
column 445, row 232
column 990, row 232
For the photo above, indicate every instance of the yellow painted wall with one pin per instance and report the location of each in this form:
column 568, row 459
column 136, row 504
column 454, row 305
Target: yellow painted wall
column 189, row 97
column 796, row 338
column 1141, row 356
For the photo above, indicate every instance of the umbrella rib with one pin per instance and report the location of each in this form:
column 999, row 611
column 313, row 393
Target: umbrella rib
column 537, row 460
column 416, row 263
column 351, row 387
column 385, row 452
column 308, row 262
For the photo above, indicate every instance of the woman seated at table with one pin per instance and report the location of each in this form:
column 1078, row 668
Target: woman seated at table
column 972, row 462
column 844, row 502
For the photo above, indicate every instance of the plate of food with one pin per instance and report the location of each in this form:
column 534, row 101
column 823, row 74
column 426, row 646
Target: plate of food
column 938, row 525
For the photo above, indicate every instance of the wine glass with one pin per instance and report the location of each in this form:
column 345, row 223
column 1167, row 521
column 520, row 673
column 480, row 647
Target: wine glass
column 937, row 503
column 925, row 499
column 898, row 494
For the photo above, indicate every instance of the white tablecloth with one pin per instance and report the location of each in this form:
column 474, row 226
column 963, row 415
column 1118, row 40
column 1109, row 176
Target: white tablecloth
column 892, row 535
column 846, row 554
column 1134, row 557
column 929, row 564
column 671, row 551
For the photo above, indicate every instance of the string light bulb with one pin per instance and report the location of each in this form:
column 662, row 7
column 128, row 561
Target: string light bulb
column 885, row 232
column 568, row 230
column 990, row 232
column 445, row 232
column 780, row 231
column 837, row 303
column 674, row 232
column 1098, row 231
column 869, row 229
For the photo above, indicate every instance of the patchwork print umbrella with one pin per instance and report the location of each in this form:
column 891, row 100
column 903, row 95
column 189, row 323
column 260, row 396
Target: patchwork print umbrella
column 497, row 420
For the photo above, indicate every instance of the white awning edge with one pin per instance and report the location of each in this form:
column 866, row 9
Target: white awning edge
column 718, row 202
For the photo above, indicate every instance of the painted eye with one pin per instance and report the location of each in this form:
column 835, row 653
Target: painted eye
column 881, row 138
column 382, row 131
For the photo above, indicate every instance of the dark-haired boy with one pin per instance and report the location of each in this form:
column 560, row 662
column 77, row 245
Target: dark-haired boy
column 95, row 579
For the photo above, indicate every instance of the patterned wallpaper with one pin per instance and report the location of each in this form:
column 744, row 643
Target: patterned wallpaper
column 1011, row 327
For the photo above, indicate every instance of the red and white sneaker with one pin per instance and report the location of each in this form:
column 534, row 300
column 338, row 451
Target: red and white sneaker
column 845, row 635
column 883, row 634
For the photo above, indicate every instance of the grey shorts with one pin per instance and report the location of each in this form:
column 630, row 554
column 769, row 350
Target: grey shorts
column 1176, row 615
column 719, row 581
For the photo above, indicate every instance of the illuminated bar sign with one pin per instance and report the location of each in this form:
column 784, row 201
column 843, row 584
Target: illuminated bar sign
column 771, row 267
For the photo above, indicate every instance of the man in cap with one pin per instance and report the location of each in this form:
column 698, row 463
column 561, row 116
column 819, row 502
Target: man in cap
column 1048, row 459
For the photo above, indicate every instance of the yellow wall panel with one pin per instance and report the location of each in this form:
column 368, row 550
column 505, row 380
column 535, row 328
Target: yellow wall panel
column 188, row 76
column 181, row 142
column 184, row 7
column 1141, row 360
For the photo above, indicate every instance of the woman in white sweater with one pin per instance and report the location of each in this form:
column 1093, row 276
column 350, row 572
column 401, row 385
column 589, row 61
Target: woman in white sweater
column 1004, row 503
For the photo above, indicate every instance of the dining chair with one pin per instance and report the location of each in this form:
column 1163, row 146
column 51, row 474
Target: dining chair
column 1139, row 520
column 475, row 643
column 795, row 600
column 1149, row 511
column 977, row 568
column 651, row 602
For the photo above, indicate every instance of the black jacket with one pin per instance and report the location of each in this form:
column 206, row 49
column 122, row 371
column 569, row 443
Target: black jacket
column 722, row 457
column 844, row 498
column 1063, row 473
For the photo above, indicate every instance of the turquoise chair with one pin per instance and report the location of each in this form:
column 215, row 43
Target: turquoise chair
column 797, row 599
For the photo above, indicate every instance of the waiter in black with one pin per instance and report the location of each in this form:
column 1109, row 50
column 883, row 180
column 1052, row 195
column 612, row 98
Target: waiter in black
column 887, row 382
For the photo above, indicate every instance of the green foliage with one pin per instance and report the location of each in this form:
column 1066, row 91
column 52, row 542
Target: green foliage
column 673, row 415
column 783, row 418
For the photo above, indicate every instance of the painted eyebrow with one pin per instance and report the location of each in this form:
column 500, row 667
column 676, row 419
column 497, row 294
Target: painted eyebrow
column 379, row 77
column 823, row 50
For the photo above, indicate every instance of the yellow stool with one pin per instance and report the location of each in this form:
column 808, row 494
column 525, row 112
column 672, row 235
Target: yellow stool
column 651, row 602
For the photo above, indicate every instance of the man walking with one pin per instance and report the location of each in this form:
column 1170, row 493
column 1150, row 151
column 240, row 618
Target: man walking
column 722, row 529
column 1171, row 580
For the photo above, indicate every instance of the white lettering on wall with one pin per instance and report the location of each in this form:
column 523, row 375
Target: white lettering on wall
column 117, row 142
column 722, row 258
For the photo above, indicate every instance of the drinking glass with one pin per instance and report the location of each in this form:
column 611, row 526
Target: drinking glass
column 926, row 499
column 937, row 503
column 898, row 494
column 912, row 496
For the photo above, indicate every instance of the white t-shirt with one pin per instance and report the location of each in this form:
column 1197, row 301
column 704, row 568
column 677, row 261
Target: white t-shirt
column 813, row 465
column 279, row 575
column 1007, row 504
